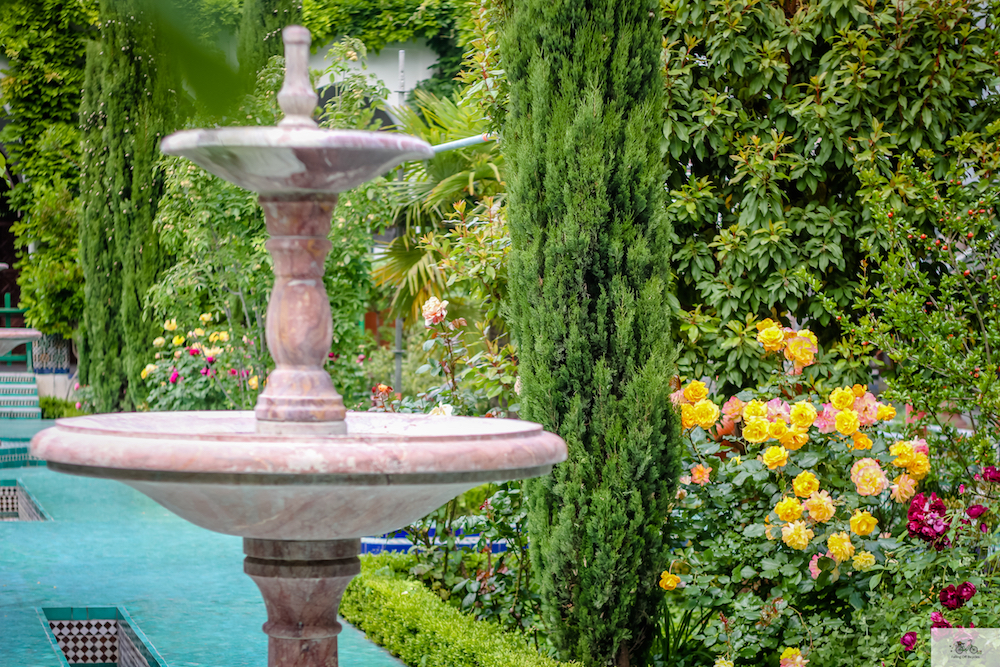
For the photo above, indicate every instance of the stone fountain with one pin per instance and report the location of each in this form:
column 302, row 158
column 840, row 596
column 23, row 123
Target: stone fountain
column 300, row 478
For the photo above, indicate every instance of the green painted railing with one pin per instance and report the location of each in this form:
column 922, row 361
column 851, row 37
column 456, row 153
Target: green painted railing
column 7, row 313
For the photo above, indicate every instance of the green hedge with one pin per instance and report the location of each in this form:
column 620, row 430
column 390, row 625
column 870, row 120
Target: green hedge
column 405, row 618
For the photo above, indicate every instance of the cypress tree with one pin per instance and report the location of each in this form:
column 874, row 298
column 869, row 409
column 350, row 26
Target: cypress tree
column 260, row 33
column 129, row 104
column 589, row 284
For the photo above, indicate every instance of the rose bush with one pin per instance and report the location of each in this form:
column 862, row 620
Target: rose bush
column 814, row 494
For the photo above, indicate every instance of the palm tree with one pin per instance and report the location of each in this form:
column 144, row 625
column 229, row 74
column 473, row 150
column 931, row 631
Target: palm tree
column 426, row 195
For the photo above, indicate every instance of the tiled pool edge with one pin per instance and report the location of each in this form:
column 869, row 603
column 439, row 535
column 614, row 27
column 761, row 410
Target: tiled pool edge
column 126, row 625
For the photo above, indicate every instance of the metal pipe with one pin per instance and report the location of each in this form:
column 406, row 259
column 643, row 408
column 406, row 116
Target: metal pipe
column 462, row 143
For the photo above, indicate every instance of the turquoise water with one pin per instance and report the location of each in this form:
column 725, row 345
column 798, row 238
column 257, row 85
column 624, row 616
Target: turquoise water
column 108, row 545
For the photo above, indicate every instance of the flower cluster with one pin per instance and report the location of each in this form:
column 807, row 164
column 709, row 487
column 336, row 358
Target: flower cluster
column 799, row 347
column 928, row 521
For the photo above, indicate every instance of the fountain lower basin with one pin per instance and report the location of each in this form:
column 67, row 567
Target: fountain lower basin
column 215, row 470
column 11, row 338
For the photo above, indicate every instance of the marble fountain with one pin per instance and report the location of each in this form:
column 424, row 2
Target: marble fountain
column 299, row 478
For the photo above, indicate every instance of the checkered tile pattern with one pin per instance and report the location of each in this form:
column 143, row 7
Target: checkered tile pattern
column 87, row 642
column 8, row 499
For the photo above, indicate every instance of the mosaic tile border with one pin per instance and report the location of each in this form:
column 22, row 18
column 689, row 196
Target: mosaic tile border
column 97, row 636
column 15, row 454
column 17, row 503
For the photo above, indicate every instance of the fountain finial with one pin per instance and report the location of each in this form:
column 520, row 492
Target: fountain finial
column 297, row 97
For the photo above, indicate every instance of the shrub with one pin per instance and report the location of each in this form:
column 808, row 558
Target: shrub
column 57, row 408
column 402, row 616
column 795, row 533
column 929, row 299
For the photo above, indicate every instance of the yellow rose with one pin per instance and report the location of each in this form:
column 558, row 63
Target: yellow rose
column 170, row 325
column 144, row 373
column 840, row 546
column 754, row 408
column 801, row 350
column 695, row 391
column 788, row 509
column 903, row 451
column 863, row 523
column 178, row 340
column 803, row 414
column 772, row 338
column 805, row 484
column 199, row 332
column 756, row 429
column 224, row 336
column 687, row 416
column 775, row 457
column 842, row 398
column 920, row 467
column 706, row 413
column 871, row 481
column 213, row 337
column 863, row 561
column 861, row 441
column 205, row 318
column 796, row 535
column 794, row 439
column 159, row 341
column 820, row 507
column 778, row 429
column 810, row 336
column 668, row 581
column 885, row 413
column 859, row 390
column 766, row 323
column 904, row 487
column 847, row 422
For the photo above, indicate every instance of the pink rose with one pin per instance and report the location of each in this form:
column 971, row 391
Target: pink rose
column 174, row 377
column 909, row 640
column 976, row 511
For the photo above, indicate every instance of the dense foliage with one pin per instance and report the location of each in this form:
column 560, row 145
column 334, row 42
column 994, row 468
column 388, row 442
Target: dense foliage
column 588, row 277
column 44, row 43
column 436, row 21
column 260, row 33
column 930, row 296
column 767, row 107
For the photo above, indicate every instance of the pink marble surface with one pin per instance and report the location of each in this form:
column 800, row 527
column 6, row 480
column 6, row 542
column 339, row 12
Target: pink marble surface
column 11, row 338
column 284, row 160
column 227, row 442
column 215, row 470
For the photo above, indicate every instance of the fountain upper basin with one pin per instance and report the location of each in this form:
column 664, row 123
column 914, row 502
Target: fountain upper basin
column 296, row 160
column 214, row 470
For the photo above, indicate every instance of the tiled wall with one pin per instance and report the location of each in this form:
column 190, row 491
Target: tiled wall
column 8, row 503
column 15, row 454
column 26, row 509
column 131, row 652
column 87, row 642
column 16, row 504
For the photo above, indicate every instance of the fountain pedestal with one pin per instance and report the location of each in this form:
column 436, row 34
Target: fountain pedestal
column 302, row 583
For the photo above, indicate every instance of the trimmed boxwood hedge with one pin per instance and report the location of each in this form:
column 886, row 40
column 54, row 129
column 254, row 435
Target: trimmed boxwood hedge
column 402, row 616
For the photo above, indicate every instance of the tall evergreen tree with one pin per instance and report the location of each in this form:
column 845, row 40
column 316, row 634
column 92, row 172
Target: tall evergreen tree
column 589, row 281
column 129, row 104
column 260, row 33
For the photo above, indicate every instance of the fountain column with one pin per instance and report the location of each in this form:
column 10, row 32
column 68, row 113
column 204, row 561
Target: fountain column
column 302, row 583
column 299, row 397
